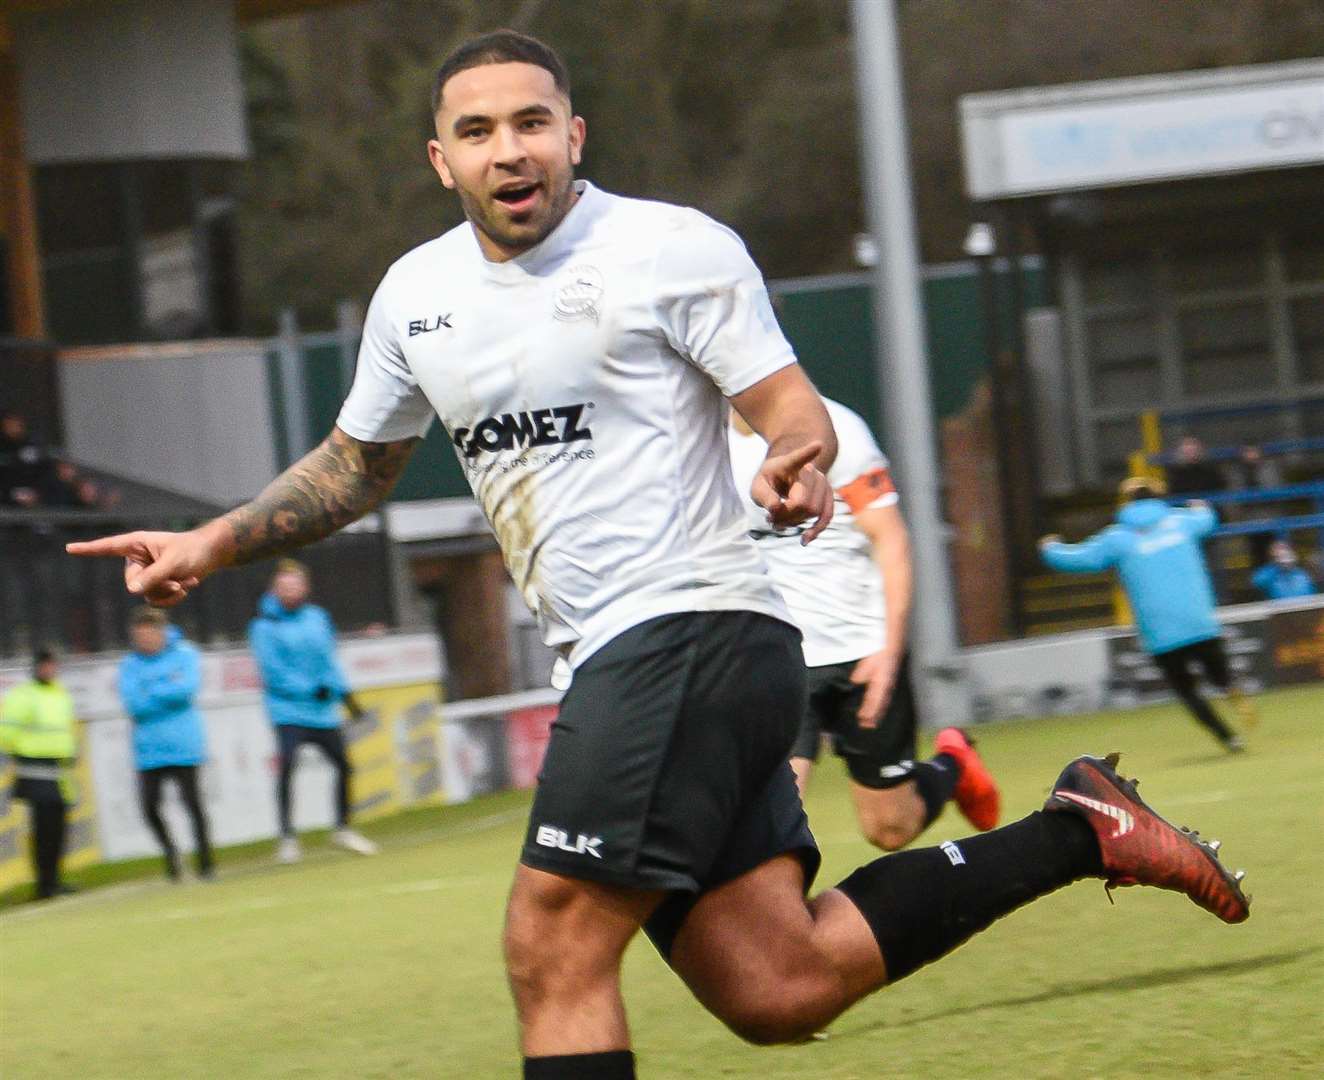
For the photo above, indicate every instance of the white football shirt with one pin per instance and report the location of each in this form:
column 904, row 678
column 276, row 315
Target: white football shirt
column 832, row 586
column 582, row 386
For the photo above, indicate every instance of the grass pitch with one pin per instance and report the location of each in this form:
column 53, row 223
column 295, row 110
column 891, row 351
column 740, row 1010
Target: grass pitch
column 389, row 967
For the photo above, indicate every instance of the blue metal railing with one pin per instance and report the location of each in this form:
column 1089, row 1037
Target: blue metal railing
column 1312, row 492
column 1276, row 448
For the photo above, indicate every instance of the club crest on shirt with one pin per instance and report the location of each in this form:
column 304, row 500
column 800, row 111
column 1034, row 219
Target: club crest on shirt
column 578, row 294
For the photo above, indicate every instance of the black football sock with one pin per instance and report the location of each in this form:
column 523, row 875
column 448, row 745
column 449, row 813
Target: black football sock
column 923, row 903
column 610, row 1065
column 935, row 780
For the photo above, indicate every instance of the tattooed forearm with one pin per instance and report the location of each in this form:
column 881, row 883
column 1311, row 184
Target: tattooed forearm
column 332, row 485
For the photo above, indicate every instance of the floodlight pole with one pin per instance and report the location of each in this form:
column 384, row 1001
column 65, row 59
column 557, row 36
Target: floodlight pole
column 902, row 359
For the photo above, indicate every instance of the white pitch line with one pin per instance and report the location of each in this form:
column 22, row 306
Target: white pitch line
column 428, row 885
column 100, row 896
column 267, row 903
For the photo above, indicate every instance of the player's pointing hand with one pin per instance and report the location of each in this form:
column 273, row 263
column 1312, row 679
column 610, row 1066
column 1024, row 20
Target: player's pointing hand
column 793, row 490
column 161, row 567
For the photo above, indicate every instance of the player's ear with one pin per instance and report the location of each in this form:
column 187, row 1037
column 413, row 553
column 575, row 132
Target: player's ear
column 577, row 133
column 438, row 160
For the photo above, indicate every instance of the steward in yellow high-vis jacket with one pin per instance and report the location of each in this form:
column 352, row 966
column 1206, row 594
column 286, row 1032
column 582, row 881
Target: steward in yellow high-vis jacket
column 37, row 727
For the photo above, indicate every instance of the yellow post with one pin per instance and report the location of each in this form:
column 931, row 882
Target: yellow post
column 1151, row 441
column 1121, row 607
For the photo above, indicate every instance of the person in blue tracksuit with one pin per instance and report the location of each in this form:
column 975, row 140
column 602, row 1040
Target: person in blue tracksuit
column 294, row 644
column 1155, row 549
column 158, row 682
column 1282, row 577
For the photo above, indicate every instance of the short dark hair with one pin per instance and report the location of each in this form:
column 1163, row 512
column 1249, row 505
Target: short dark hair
column 290, row 566
column 500, row 47
column 148, row 616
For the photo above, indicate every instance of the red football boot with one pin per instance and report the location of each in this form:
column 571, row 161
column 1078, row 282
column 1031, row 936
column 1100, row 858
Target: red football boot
column 976, row 793
column 1141, row 848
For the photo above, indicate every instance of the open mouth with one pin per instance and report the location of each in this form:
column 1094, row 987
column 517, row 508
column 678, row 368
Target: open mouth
column 518, row 197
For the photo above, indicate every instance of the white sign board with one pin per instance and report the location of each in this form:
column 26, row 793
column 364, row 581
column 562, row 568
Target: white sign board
column 1140, row 130
column 239, row 779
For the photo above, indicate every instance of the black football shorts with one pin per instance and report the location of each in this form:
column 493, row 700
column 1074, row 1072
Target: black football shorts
column 667, row 766
column 875, row 757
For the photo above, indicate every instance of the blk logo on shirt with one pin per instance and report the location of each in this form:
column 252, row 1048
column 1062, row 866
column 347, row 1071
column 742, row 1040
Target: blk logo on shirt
column 534, row 427
column 426, row 326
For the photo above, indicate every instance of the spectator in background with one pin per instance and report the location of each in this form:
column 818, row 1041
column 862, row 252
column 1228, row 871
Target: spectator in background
column 158, row 683
column 23, row 462
column 1156, row 551
column 1283, row 578
column 89, row 495
column 295, row 647
column 60, row 484
column 1255, row 472
column 1192, row 472
column 37, row 727
column 64, row 486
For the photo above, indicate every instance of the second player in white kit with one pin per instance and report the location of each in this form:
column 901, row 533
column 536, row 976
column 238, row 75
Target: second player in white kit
column 850, row 594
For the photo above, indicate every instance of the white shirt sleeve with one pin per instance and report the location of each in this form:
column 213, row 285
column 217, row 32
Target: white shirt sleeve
column 714, row 307
column 385, row 404
column 861, row 472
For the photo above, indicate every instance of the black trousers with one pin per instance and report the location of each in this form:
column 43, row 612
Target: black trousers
column 1178, row 667
column 49, row 827
column 151, row 785
column 331, row 742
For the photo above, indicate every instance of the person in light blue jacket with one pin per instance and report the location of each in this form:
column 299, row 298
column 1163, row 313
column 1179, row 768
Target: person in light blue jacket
column 1282, row 577
column 158, row 682
column 294, row 644
column 1155, row 549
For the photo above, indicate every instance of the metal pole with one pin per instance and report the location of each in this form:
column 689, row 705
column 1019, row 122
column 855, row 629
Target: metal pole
column 349, row 330
column 903, row 377
column 289, row 353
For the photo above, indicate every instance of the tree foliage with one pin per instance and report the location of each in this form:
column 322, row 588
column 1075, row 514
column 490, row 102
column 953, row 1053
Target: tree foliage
column 743, row 108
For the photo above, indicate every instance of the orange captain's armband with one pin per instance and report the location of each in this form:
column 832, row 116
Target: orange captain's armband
column 866, row 489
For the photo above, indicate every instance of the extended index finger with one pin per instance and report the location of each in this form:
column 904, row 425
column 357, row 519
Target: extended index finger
column 123, row 544
column 791, row 463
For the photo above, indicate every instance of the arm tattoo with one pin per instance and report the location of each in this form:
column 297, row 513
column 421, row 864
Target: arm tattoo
column 332, row 485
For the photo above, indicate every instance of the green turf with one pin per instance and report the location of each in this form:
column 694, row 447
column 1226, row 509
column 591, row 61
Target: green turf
column 389, row 967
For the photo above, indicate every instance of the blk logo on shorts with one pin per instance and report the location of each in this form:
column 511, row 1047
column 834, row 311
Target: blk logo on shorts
column 552, row 837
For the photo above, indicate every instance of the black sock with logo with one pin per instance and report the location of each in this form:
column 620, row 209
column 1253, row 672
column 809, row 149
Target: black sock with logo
column 935, row 780
column 923, row 903
column 610, row 1065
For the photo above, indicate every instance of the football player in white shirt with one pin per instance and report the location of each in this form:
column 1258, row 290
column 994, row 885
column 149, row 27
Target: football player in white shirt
column 850, row 594
column 578, row 348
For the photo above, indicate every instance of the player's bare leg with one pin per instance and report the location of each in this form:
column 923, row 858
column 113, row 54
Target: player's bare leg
column 776, row 969
column 563, row 942
column 770, row 966
column 890, row 818
column 803, row 768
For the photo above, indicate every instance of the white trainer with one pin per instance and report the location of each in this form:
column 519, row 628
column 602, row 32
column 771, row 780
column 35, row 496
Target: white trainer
column 288, row 851
column 352, row 841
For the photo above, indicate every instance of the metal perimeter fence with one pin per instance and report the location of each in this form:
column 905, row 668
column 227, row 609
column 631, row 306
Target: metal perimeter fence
column 80, row 605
